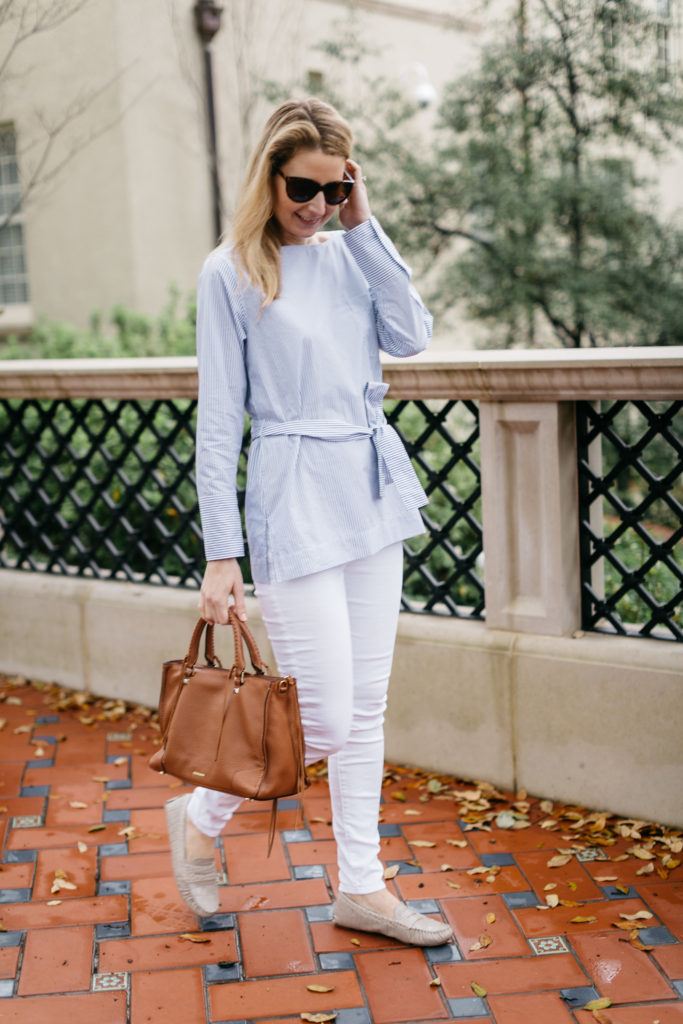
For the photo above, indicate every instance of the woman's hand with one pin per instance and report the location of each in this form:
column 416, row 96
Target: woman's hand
column 356, row 209
column 222, row 579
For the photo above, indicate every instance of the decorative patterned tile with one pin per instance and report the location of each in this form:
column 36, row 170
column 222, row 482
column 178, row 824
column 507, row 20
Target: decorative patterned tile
column 592, row 853
column 549, row 944
column 461, row 1009
column 119, row 737
column 309, row 871
column 114, row 982
column 336, row 962
column 515, row 900
column 321, row 913
column 28, row 821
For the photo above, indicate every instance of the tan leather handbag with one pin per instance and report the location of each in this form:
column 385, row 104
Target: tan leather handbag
column 232, row 730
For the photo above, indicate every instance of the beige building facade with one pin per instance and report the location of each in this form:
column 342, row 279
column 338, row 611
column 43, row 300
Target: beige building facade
column 104, row 129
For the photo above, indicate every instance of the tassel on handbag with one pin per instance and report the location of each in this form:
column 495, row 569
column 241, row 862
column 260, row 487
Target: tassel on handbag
column 231, row 730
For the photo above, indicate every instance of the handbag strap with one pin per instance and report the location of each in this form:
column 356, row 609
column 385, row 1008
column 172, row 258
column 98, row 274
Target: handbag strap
column 242, row 635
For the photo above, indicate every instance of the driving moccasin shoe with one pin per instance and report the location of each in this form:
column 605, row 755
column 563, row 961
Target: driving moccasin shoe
column 406, row 924
column 196, row 879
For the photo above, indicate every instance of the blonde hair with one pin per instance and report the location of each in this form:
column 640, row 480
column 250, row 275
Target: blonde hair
column 298, row 124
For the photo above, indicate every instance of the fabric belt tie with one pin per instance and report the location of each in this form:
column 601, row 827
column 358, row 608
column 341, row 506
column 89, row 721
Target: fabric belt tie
column 393, row 464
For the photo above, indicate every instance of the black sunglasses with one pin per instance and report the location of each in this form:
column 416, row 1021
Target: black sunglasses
column 302, row 190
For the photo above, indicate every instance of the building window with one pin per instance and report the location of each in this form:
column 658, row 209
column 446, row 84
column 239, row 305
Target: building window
column 664, row 30
column 13, row 275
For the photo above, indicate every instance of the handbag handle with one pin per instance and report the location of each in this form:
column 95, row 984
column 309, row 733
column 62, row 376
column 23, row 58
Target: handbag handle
column 241, row 635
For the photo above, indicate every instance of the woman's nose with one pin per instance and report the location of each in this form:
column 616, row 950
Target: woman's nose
column 317, row 205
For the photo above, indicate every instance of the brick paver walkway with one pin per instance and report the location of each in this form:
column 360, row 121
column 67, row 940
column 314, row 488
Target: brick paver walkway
column 567, row 909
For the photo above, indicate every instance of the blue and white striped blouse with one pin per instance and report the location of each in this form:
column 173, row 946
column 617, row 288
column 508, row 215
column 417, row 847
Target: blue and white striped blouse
column 328, row 480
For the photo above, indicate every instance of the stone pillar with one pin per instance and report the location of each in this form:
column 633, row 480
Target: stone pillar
column 529, row 491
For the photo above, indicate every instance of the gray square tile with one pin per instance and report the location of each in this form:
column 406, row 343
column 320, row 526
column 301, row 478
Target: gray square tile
column 118, row 784
column 116, row 888
column 218, row 923
column 502, row 859
column 678, row 985
column 389, row 830
column 357, row 1015
column 309, row 871
column 575, row 998
column 113, row 930
column 21, row 856
column 113, row 849
column 296, row 835
column 10, row 939
column 15, row 895
column 656, row 936
column 121, row 815
column 515, row 900
column 7, row 989
column 461, row 1009
column 448, row 954
column 611, row 893
column 404, row 868
column 34, row 791
column 319, row 913
column 336, row 961
column 41, row 762
column 215, row 974
column 47, row 719
column 425, row 906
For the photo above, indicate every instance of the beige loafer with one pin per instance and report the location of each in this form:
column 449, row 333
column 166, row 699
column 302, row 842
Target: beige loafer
column 196, row 879
column 406, row 925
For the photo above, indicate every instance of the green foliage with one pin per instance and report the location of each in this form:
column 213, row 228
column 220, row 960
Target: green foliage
column 128, row 334
column 526, row 197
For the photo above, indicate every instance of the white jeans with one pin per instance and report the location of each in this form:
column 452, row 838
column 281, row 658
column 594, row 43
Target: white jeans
column 334, row 631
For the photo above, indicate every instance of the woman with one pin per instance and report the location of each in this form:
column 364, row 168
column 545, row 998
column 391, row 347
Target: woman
column 289, row 327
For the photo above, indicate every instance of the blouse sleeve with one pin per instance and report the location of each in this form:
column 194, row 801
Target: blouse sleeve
column 220, row 414
column 404, row 324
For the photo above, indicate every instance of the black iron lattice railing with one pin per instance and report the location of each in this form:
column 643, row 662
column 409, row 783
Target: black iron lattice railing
column 631, row 517
column 106, row 489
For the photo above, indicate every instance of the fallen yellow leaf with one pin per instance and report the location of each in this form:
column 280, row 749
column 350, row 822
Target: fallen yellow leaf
column 446, row 867
column 51, row 903
column 355, row 942
column 398, row 795
column 391, row 871
column 552, row 899
column 582, row 920
column 435, row 982
column 320, row 988
column 461, row 843
column 490, row 918
column 411, row 811
column 597, row 1004
column 478, row 990
column 453, row 885
column 77, row 805
column 195, row 937
column 642, row 853
column 550, row 886
column 82, row 847
column 318, row 1018
column 640, row 915
column 422, row 843
column 560, row 860
column 97, row 828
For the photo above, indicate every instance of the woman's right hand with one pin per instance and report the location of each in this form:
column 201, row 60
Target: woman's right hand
column 222, row 579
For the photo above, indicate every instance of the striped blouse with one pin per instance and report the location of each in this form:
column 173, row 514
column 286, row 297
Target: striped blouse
column 328, row 480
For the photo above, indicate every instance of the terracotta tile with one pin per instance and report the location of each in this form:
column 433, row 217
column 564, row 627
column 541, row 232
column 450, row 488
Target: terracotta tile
column 395, row 814
column 16, row 876
column 558, row 920
column 150, row 834
column 276, row 997
column 327, row 938
column 64, row 835
column 102, row 1007
column 56, row 966
column 9, row 958
column 148, row 796
column 515, row 840
column 396, row 984
column 250, row 821
column 670, row 959
column 467, row 917
column 80, row 868
column 20, row 916
column 626, row 872
column 275, row 942
column 647, row 1014
column 136, row 865
column 21, row 805
column 619, row 971
column 312, row 853
column 247, row 859
column 159, row 952
column 143, row 776
column 174, row 997
column 157, row 908
column 535, row 867
column 516, row 974
column 65, row 777
column 666, row 901
column 11, row 779
column 541, row 1008
column 62, row 795
column 274, row 895
column 436, row 885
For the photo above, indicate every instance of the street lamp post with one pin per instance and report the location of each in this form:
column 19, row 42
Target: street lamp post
column 207, row 17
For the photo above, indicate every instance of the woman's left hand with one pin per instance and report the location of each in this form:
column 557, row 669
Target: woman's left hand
column 356, row 209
